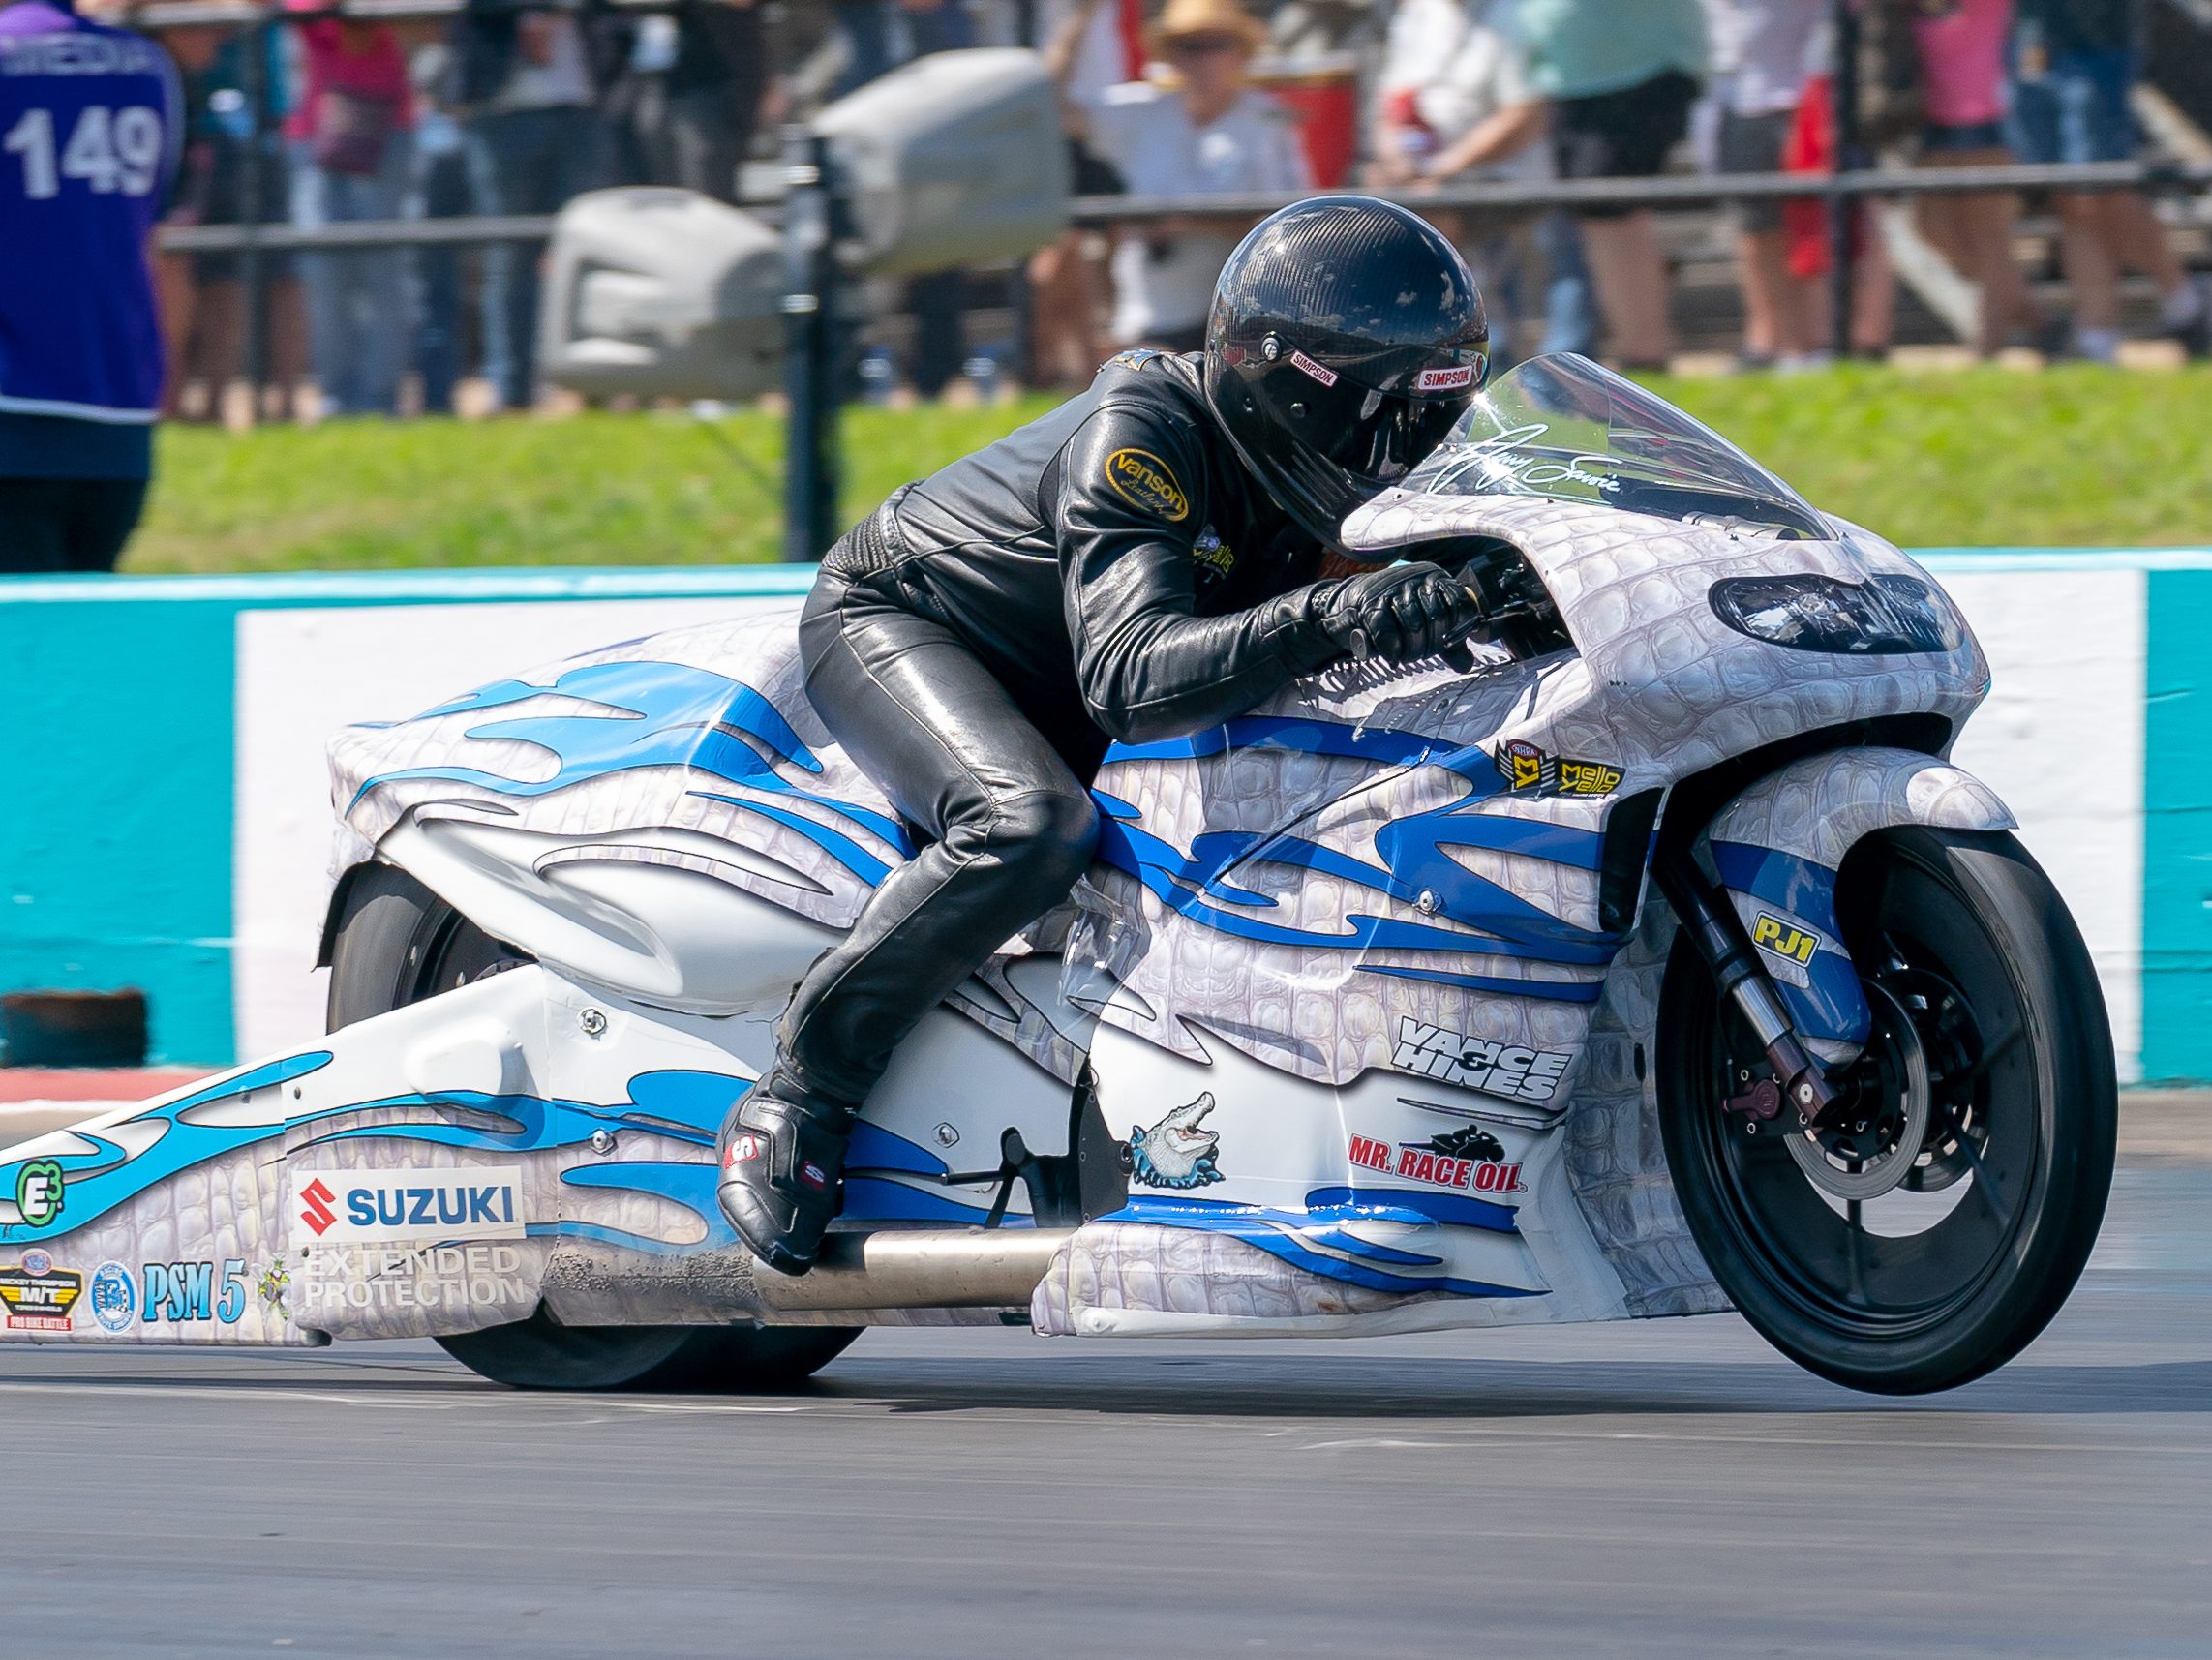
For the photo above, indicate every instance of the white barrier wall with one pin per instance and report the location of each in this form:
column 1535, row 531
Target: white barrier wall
column 170, row 822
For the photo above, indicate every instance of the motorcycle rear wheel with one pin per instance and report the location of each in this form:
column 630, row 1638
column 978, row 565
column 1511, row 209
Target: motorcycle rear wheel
column 397, row 944
column 1986, row 1005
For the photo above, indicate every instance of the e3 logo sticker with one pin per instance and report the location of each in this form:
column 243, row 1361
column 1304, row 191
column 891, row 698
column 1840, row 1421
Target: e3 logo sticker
column 1142, row 479
column 1772, row 934
column 38, row 1191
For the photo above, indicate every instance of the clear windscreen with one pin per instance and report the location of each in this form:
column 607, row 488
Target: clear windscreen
column 1564, row 429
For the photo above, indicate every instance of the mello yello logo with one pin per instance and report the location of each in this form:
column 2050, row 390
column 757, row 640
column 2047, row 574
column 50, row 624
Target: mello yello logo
column 1142, row 479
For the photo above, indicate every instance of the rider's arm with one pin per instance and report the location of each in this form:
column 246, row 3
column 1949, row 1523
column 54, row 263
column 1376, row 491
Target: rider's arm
column 1149, row 667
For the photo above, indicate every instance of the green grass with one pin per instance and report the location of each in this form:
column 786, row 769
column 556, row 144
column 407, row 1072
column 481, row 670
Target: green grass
column 1989, row 457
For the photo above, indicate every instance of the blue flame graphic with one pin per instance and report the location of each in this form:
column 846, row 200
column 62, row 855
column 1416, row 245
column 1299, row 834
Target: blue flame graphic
column 660, row 714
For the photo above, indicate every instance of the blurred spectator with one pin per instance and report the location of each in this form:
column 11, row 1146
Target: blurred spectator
column 93, row 118
column 439, row 188
column 1767, row 47
column 691, row 93
column 1206, row 132
column 1962, row 97
column 1452, row 103
column 1309, row 29
column 940, row 325
column 1621, row 75
column 1090, row 45
column 223, row 142
column 2073, row 62
column 1806, row 230
column 350, row 157
column 529, row 80
column 866, row 25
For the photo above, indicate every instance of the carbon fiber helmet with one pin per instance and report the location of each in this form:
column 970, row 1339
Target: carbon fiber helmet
column 1346, row 336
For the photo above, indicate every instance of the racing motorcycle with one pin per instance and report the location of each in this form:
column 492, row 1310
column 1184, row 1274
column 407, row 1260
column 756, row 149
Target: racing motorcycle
column 1645, row 957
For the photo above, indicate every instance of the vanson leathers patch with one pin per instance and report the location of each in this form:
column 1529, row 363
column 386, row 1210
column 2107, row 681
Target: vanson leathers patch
column 1142, row 479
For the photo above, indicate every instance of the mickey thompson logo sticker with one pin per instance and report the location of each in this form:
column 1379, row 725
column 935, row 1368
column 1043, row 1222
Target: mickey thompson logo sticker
column 1474, row 1063
column 1142, row 479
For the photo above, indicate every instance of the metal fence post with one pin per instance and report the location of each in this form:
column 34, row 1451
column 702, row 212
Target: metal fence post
column 809, row 365
column 1844, row 211
column 253, row 268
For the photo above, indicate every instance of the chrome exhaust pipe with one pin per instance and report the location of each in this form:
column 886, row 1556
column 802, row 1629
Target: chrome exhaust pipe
column 920, row 1268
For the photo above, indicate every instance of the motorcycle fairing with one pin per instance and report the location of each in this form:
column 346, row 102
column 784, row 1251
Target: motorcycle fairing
column 597, row 812
column 448, row 1166
column 1778, row 847
column 1360, row 845
column 1373, row 905
column 703, row 730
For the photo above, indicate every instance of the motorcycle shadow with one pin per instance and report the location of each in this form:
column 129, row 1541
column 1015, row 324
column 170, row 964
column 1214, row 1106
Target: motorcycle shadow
column 1349, row 1387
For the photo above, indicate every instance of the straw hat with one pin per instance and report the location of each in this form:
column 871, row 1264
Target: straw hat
column 1184, row 19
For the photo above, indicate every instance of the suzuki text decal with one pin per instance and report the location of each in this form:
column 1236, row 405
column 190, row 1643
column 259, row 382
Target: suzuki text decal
column 481, row 1202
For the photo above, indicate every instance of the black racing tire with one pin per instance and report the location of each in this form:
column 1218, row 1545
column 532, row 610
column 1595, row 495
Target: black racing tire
column 542, row 1353
column 397, row 942
column 1965, row 940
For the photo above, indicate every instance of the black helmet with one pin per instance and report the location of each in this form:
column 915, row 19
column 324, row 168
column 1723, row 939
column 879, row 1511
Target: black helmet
column 1347, row 337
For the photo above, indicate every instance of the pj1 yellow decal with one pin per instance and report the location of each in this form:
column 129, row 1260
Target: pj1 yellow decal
column 1772, row 934
column 1142, row 479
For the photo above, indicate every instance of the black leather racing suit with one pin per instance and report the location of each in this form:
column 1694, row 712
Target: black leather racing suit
column 1106, row 572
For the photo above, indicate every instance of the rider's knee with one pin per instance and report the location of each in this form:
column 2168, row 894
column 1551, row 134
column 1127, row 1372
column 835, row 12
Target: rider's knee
column 1049, row 833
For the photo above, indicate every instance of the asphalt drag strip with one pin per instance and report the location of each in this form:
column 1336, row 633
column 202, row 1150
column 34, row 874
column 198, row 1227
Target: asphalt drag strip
column 1655, row 1488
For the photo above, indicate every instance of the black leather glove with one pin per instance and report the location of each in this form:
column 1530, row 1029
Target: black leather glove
column 1400, row 612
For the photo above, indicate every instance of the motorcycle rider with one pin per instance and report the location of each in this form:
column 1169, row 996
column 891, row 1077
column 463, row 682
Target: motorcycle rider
column 1139, row 565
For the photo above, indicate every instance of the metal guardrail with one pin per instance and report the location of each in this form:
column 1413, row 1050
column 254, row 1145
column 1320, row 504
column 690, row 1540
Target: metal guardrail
column 1685, row 190
column 162, row 15
column 274, row 237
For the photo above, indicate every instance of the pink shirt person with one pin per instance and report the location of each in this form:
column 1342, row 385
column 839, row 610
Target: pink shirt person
column 1962, row 61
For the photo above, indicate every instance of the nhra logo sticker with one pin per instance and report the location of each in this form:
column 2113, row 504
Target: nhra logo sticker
column 38, row 1295
column 333, row 1206
column 1473, row 1063
column 1529, row 771
column 1468, row 1160
column 1143, row 480
column 1209, row 553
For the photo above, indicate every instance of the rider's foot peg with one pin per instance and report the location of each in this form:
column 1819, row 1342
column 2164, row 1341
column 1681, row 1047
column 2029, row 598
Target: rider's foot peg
column 782, row 1158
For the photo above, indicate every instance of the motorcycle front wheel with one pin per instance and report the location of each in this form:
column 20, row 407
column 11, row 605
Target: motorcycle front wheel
column 397, row 942
column 1925, row 1233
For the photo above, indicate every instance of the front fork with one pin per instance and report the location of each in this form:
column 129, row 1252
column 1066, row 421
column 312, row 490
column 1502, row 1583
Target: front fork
column 1714, row 927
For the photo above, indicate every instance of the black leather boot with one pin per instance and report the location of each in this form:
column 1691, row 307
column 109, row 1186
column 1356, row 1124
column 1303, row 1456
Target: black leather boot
column 782, row 1158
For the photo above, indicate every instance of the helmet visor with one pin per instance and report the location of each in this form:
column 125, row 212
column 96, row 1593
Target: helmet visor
column 1389, row 434
column 1342, row 443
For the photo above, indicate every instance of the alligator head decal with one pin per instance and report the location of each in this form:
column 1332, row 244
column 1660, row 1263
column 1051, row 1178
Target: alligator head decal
column 1175, row 1153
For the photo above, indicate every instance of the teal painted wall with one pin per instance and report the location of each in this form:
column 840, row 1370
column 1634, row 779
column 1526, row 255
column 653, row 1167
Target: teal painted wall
column 116, row 796
column 2177, row 828
column 116, row 764
column 115, row 810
